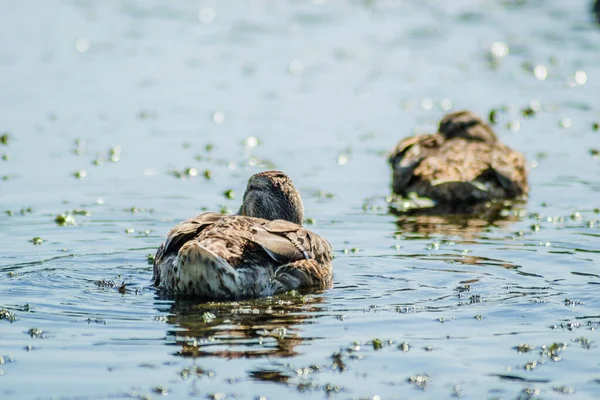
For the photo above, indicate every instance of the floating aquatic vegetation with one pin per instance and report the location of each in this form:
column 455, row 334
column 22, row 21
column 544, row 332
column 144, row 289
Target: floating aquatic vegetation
column 353, row 250
column 136, row 210
column 36, row 333
column 105, row 283
column 322, row 195
column 189, row 172
column 412, row 201
column 225, row 210
column 553, row 351
column 25, row 211
column 531, row 109
column 4, row 139
column 96, row 321
column 565, row 123
column 37, row 241
column 570, row 303
column 420, row 381
column 377, row 344
column 7, row 315
column 150, row 258
column 404, row 347
column 79, row 147
column 564, row 389
column 337, row 363
column 162, row 390
column 208, row 317
column 114, row 154
column 81, row 174
column 463, row 288
column 523, row 348
column 530, row 366
column 197, row 372
column 229, row 194
column 64, row 219
column 81, row 211
column 584, row 342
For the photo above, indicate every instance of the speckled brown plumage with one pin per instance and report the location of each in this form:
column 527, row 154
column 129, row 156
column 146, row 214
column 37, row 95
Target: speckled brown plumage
column 233, row 256
column 462, row 164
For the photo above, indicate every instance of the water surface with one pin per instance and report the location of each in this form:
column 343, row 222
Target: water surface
column 116, row 112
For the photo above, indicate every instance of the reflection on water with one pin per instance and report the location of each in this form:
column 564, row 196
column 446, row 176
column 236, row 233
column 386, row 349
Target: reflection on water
column 247, row 329
column 435, row 221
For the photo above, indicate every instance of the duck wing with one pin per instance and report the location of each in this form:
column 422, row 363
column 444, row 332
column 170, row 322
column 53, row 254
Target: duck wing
column 179, row 235
column 287, row 242
column 305, row 257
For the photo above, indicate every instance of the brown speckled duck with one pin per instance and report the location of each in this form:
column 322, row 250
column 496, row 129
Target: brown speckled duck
column 261, row 251
column 461, row 165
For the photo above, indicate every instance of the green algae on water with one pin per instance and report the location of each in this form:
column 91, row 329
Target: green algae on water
column 229, row 194
column 81, row 174
column 377, row 344
column 64, row 219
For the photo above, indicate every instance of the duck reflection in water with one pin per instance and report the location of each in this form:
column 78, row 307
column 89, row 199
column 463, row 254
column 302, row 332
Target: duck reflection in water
column 457, row 169
column 470, row 226
column 269, row 327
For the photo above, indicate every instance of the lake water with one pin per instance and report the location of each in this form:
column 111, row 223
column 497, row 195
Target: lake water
column 124, row 117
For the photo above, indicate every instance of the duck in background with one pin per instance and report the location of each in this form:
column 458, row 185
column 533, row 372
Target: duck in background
column 261, row 251
column 462, row 165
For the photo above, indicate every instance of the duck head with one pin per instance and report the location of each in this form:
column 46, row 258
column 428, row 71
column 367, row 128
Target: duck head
column 466, row 125
column 272, row 195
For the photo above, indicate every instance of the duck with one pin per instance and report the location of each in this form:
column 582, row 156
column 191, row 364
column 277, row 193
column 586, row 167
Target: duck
column 462, row 165
column 260, row 251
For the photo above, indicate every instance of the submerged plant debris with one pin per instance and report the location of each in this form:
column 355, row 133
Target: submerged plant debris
column 7, row 315
column 37, row 241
